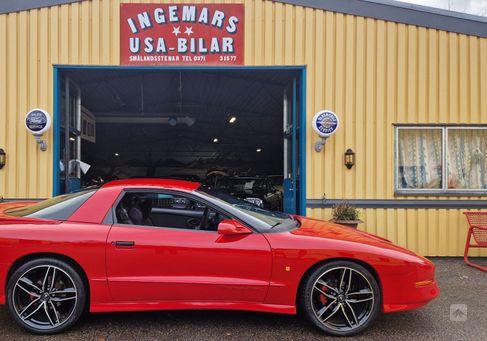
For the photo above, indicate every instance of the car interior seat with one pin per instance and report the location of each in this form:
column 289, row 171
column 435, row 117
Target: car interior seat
column 122, row 214
column 146, row 208
column 134, row 211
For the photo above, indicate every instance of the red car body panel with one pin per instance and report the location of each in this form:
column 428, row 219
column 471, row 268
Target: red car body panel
column 397, row 269
column 188, row 269
column 186, row 265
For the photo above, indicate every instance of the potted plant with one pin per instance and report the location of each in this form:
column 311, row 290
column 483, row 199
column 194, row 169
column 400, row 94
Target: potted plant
column 346, row 214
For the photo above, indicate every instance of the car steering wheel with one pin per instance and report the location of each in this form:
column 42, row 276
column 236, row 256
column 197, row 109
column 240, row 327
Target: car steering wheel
column 214, row 222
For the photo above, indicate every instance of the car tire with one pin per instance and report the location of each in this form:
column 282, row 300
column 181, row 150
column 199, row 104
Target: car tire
column 46, row 296
column 342, row 298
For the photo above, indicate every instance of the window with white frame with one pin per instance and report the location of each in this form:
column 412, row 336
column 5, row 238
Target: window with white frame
column 441, row 159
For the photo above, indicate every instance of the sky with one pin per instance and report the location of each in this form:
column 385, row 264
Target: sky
column 477, row 7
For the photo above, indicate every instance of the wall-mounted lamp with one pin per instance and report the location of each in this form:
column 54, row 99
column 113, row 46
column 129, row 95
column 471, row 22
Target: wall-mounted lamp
column 349, row 158
column 3, row 158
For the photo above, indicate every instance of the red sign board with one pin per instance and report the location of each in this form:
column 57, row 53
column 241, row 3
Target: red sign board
column 181, row 34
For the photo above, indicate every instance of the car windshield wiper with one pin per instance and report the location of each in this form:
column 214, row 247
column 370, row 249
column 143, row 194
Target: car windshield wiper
column 276, row 224
column 290, row 220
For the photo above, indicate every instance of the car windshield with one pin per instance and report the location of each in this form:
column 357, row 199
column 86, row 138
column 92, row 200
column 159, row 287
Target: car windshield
column 57, row 208
column 270, row 218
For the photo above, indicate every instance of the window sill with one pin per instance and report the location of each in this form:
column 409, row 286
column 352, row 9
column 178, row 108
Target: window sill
column 440, row 193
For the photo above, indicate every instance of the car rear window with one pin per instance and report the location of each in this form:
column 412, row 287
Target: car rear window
column 57, row 208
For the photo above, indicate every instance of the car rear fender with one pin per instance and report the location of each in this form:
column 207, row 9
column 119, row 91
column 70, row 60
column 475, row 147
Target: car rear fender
column 24, row 259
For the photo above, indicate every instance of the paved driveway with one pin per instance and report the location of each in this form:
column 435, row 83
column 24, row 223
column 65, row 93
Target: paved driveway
column 459, row 285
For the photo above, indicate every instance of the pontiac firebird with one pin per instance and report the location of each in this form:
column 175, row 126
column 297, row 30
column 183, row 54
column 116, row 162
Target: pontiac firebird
column 149, row 244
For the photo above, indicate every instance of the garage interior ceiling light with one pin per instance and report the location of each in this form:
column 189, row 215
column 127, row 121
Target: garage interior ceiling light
column 215, row 140
column 232, row 119
column 258, row 150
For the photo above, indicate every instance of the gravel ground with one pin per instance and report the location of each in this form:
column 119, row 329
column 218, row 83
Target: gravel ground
column 459, row 284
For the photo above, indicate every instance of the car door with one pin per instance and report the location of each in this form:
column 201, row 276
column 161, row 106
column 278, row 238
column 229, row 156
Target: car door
column 180, row 262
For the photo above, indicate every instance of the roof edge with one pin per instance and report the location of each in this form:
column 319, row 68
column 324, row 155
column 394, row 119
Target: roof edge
column 388, row 10
column 429, row 9
column 403, row 13
column 7, row 6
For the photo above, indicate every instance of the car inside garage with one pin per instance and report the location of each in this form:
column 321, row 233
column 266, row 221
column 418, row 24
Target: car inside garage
column 236, row 130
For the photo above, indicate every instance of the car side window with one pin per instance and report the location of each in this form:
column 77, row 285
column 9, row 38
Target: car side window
column 166, row 210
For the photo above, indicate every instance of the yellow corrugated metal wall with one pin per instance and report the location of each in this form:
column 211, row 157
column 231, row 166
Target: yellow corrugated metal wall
column 372, row 73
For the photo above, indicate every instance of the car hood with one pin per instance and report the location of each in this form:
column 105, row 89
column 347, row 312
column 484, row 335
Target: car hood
column 319, row 229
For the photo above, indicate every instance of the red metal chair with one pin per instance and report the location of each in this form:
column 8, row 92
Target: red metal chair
column 478, row 229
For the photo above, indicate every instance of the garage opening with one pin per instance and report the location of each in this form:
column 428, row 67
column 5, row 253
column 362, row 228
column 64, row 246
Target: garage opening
column 236, row 130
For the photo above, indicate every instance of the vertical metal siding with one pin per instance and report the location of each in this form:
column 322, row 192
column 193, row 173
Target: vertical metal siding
column 371, row 72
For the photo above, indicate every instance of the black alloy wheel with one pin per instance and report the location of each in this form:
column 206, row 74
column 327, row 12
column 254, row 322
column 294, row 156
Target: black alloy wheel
column 342, row 298
column 46, row 296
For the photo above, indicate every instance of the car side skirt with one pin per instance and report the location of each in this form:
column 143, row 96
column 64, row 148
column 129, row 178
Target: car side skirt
column 148, row 306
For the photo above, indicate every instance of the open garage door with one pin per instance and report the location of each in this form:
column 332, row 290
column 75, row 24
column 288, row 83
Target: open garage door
column 236, row 130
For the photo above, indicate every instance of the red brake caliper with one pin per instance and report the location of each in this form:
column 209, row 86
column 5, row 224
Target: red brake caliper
column 323, row 298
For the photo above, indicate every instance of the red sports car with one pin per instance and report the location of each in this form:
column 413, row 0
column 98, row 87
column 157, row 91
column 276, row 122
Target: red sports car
column 153, row 244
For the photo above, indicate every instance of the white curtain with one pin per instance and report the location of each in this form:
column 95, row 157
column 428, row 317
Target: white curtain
column 419, row 159
column 467, row 162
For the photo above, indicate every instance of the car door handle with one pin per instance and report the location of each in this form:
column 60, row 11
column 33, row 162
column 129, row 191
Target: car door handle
column 123, row 244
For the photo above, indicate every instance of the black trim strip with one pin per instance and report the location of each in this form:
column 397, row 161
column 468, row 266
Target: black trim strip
column 441, row 125
column 370, row 203
column 403, row 13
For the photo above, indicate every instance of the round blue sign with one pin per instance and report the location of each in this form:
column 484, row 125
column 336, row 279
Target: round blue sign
column 37, row 121
column 325, row 123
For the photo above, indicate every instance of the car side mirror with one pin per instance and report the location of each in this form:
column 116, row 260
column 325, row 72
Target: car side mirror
column 232, row 227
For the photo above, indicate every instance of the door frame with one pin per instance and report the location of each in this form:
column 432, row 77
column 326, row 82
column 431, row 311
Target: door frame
column 301, row 160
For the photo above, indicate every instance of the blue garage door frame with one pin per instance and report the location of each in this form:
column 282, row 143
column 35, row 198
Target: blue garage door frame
column 299, row 156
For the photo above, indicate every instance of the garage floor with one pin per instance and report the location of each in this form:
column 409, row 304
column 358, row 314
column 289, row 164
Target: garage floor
column 459, row 284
